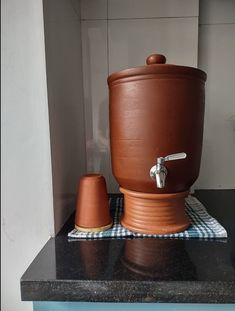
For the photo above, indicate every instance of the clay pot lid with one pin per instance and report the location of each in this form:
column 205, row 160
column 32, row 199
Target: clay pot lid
column 156, row 65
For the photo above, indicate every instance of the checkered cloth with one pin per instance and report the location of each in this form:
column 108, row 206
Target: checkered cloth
column 202, row 224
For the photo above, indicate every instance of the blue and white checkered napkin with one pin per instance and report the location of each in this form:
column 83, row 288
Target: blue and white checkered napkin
column 202, row 224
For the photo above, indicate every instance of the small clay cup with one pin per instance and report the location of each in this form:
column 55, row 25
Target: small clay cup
column 92, row 208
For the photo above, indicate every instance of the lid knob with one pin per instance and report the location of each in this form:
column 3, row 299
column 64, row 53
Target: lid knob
column 155, row 59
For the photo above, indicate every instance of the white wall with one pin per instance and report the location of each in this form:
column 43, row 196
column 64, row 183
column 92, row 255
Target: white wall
column 217, row 58
column 27, row 213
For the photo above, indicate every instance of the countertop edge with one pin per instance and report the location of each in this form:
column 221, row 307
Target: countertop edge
column 128, row 291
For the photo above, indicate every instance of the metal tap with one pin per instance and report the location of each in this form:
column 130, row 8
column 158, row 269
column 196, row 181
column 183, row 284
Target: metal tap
column 159, row 172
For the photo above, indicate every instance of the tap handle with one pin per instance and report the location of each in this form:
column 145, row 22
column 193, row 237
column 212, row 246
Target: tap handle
column 171, row 157
column 175, row 156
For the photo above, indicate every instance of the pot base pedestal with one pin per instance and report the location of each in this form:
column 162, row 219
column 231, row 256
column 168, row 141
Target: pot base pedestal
column 150, row 213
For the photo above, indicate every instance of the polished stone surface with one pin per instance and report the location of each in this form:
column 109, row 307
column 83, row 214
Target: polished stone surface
column 139, row 270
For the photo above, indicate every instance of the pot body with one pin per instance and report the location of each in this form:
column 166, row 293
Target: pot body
column 153, row 116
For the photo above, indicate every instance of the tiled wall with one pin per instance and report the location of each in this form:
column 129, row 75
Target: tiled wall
column 118, row 34
column 217, row 58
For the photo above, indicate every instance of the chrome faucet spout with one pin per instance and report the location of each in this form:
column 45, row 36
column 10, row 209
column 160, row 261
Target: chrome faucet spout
column 159, row 172
column 160, row 175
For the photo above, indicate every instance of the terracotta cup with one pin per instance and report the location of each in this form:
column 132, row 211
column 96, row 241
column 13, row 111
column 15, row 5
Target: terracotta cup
column 92, row 208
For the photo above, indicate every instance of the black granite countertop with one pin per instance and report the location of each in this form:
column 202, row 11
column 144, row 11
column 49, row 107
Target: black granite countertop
column 139, row 270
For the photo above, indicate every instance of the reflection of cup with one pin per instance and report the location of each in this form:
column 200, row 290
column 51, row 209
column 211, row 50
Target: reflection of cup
column 158, row 259
column 94, row 257
column 92, row 209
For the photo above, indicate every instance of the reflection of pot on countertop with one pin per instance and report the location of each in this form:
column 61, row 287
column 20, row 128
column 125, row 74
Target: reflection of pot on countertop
column 158, row 259
column 156, row 128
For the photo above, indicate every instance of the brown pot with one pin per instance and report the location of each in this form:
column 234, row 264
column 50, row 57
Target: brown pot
column 155, row 111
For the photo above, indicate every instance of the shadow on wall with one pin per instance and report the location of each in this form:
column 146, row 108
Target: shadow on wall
column 65, row 99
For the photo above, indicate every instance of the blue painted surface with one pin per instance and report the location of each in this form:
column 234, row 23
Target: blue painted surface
column 88, row 306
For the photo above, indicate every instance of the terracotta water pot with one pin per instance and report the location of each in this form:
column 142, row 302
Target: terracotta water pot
column 156, row 129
